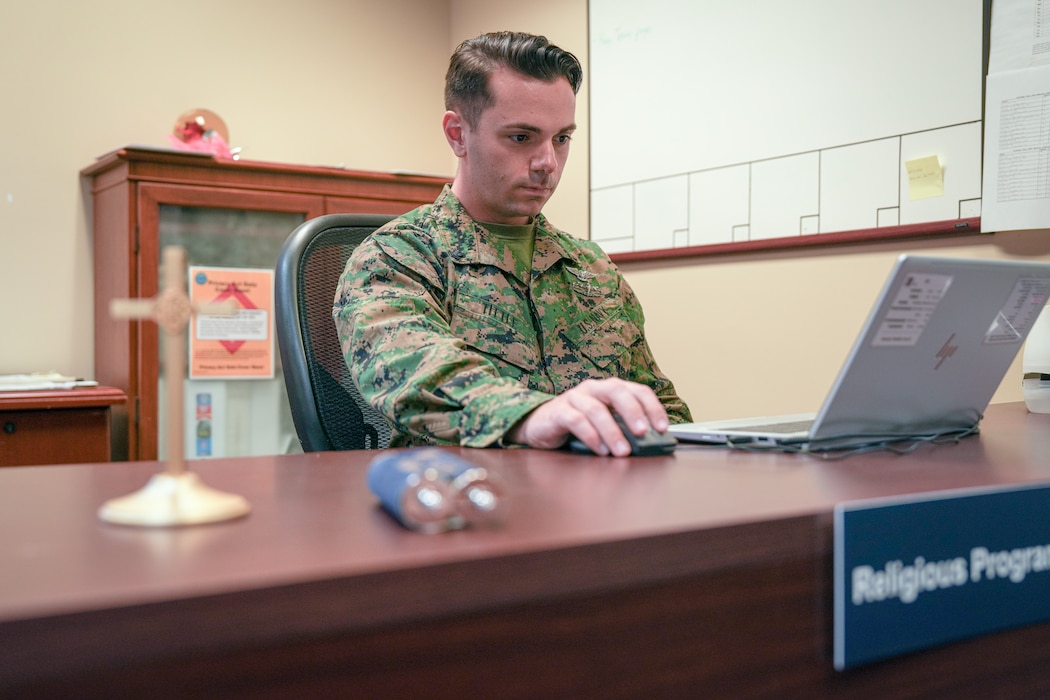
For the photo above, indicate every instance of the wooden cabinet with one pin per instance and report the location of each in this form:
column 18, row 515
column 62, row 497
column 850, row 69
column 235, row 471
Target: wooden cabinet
column 226, row 213
column 57, row 427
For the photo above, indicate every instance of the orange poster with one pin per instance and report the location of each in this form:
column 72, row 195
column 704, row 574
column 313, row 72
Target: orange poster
column 238, row 345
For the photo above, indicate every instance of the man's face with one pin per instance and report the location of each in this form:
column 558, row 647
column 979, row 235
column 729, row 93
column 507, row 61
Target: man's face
column 511, row 162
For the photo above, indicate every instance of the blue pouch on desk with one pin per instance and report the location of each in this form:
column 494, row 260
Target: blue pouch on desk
column 432, row 490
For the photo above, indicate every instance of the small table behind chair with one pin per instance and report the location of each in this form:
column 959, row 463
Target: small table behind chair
column 61, row 426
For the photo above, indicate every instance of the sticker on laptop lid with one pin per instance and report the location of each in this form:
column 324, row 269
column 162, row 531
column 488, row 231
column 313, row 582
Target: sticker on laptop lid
column 910, row 311
column 1019, row 312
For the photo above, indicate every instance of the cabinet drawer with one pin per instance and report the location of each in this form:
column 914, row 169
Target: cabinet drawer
column 55, row 436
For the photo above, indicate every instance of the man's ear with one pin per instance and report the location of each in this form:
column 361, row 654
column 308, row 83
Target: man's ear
column 453, row 126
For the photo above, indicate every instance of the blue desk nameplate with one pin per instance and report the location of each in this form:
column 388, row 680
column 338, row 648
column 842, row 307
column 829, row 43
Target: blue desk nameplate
column 919, row 571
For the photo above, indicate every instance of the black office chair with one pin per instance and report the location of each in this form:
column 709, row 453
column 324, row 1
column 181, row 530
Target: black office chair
column 328, row 411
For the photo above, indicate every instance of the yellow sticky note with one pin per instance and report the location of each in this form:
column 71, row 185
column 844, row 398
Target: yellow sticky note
column 925, row 178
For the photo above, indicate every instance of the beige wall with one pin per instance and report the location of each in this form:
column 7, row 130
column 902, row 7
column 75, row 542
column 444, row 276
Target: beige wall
column 301, row 82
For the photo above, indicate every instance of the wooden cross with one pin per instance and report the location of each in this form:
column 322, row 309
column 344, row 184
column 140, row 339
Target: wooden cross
column 175, row 496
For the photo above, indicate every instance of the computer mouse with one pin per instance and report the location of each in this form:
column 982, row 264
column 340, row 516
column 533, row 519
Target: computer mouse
column 650, row 444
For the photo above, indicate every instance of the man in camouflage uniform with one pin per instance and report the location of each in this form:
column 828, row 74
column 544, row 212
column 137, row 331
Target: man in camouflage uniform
column 473, row 321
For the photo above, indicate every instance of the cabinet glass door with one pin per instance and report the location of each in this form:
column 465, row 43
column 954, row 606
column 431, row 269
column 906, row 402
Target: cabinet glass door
column 238, row 416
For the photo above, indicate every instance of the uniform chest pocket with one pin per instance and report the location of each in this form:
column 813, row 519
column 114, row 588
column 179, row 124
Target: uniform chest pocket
column 605, row 336
column 498, row 331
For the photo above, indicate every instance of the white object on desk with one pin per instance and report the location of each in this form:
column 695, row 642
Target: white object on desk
column 41, row 380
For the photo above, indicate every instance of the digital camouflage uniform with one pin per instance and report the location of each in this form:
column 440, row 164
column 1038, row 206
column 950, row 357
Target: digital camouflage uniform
column 454, row 342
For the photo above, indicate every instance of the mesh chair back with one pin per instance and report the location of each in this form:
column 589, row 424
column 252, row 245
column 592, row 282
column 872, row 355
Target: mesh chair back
column 328, row 411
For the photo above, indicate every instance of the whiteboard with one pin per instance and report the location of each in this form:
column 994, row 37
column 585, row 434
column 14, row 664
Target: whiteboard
column 715, row 121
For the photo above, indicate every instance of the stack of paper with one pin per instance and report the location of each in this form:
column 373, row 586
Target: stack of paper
column 1016, row 191
column 40, row 380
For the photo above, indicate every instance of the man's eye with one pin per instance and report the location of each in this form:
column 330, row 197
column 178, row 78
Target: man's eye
column 519, row 138
column 564, row 138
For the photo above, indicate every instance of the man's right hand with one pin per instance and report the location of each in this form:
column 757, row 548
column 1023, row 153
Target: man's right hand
column 586, row 412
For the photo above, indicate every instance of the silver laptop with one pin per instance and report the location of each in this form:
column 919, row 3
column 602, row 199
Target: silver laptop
column 934, row 349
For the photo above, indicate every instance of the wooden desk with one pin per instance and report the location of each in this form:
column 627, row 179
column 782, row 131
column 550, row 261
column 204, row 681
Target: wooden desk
column 57, row 427
column 703, row 574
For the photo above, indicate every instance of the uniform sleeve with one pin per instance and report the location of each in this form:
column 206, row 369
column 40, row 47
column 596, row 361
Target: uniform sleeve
column 395, row 334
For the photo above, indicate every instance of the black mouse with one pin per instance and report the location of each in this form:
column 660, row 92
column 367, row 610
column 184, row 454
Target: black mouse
column 647, row 445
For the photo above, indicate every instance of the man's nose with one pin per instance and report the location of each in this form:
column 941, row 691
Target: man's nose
column 545, row 160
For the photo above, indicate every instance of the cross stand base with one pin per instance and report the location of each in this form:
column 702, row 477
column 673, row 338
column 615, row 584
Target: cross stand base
column 173, row 499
